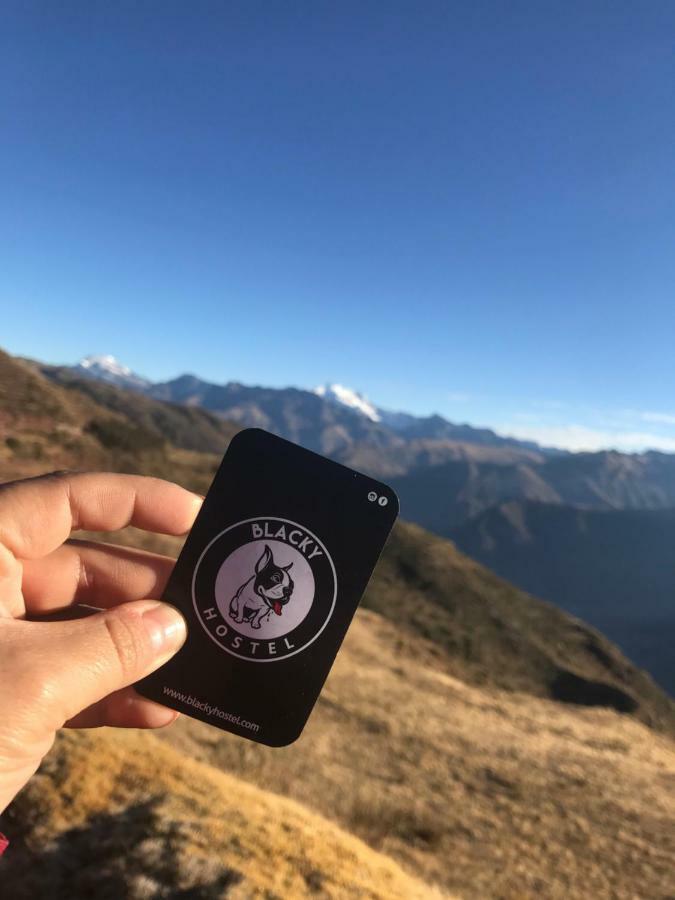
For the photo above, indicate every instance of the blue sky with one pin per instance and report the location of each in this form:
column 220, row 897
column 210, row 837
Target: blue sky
column 466, row 208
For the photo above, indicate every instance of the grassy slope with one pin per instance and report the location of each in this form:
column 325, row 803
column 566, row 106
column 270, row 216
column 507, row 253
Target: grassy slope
column 485, row 793
column 116, row 815
column 186, row 427
column 45, row 426
column 493, row 633
column 489, row 793
column 482, row 630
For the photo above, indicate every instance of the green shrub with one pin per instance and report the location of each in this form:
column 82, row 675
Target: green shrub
column 116, row 435
column 25, row 449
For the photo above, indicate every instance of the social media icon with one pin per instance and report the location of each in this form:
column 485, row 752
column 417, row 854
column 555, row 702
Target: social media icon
column 383, row 500
column 372, row 496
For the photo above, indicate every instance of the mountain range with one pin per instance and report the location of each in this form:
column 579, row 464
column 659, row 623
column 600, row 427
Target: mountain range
column 331, row 419
column 464, row 483
column 422, row 584
column 471, row 740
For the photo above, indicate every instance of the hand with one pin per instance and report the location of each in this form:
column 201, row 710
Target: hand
column 78, row 673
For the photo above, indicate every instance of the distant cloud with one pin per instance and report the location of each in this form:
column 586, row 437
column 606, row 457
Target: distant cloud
column 658, row 418
column 580, row 437
column 459, row 397
column 548, row 404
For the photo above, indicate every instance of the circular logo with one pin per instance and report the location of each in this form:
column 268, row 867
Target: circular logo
column 264, row 589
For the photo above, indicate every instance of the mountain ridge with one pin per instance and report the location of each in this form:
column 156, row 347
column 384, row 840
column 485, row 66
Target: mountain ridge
column 214, row 396
column 613, row 568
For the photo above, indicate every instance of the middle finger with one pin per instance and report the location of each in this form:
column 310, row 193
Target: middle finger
column 95, row 574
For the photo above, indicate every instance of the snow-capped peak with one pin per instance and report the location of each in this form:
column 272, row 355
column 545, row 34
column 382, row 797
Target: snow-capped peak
column 105, row 367
column 105, row 363
column 338, row 393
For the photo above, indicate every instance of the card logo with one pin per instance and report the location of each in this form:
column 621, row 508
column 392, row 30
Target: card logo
column 264, row 589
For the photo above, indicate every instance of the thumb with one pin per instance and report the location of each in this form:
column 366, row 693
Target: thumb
column 82, row 661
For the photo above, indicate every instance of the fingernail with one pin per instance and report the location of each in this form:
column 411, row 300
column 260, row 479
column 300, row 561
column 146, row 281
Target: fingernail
column 166, row 627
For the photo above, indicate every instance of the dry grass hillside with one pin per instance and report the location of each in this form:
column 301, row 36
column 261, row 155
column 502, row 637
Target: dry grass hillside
column 45, row 426
column 480, row 792
column 495, row 634
column 483, row 631
column 184, row 426
column 484, row 792
column 121, row 817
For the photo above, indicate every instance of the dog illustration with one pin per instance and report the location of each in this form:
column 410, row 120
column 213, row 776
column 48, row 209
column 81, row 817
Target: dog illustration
column 265, row 592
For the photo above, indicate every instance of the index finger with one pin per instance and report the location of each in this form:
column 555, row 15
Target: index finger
column 38, row 515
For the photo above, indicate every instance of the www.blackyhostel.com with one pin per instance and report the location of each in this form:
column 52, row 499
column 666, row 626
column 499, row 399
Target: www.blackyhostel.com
column 189, row 700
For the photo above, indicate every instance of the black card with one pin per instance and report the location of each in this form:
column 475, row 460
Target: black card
column 269, row 579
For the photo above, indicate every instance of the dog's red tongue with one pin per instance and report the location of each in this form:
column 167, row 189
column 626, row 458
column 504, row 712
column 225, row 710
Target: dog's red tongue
column 277, row 608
